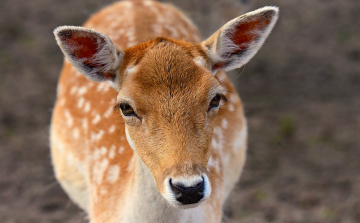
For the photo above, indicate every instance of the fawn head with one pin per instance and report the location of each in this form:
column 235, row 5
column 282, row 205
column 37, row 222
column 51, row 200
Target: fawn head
column 168, row 95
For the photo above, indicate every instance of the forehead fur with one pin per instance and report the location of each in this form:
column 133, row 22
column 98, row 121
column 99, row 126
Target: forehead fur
column 166, row 70
column 165, row 63
column 169, row 65
column 135, row 54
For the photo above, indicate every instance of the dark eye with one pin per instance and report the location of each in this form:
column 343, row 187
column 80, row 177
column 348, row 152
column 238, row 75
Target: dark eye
column 127, row 110
column 215, row 102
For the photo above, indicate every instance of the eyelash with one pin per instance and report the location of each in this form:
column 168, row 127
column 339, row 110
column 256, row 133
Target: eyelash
column 223, row 97
column 123, row 104
column 218, row 97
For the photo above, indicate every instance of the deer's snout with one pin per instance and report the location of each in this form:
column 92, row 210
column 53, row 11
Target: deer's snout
column 188, row 194
column 190, row 191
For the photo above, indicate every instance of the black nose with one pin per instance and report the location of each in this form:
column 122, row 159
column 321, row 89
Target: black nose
column 188, row 195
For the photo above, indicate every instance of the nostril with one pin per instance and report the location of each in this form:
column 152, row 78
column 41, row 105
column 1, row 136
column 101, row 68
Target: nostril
column 175, row 189
column 188, row 194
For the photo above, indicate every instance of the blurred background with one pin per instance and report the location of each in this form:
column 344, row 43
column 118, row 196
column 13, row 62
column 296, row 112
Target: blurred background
column 301, row 95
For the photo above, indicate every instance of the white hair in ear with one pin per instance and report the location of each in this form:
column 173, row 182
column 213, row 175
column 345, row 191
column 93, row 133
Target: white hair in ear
column 91, row 52
column 239, row 40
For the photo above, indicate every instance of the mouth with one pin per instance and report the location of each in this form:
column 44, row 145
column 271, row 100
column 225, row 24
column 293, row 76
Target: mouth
column 185, row 206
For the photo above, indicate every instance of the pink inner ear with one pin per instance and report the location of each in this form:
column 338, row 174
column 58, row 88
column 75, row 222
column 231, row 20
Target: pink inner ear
column 86, row 46
column 248, row 32
column 83, row 45
column 245, row 33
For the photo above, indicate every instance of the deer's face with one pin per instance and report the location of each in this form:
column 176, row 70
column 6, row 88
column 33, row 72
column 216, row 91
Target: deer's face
column 169, row 101
column 167, row 95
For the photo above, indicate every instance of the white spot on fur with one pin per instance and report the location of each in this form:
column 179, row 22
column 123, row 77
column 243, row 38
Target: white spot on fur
column 90, row 84
column 233, row 98
column 130, row 36
column 73, row 89
column 109, row 17
column 103, row 191
column 214, row 143
column 103, row 150
column 62, row 101
column 96, row 136
column 184, row 32
column 69, row 118
column 108, row 112
column 97, row 154
column 215, row 163
column 148, row 3
column 224, row 123
column 121, row 150
column 96, row 119
column 157, row 28
column 131, row 69
column 217, row 139
column 99, row 170
column 113, row 173
column 87, row 107
column 173, row 32
column 113, row 25
column 200, row 61
column 102, row 87
column 82, row 90
column 76, row 133
column 112, row 152
column 128, row 4
column 74, row 71
column 119, row 33
column 217, row 131
column 112, row 129
column 241, row 138
column 81, row 102
column 231, row 107
column 84, row 124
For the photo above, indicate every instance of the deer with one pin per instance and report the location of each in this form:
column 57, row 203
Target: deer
column 147, row 126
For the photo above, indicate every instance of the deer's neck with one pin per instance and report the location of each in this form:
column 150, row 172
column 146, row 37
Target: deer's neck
column 147, row 204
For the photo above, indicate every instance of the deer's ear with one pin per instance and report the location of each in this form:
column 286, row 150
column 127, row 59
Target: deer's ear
column 92, row 53
column 238, row 40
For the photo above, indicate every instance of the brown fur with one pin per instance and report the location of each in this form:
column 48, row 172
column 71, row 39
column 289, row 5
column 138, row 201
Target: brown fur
column 169, row 92
column 175, row 117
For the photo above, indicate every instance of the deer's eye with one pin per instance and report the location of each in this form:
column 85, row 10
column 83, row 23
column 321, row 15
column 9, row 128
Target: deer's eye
column 215, row 102
column 127, row 110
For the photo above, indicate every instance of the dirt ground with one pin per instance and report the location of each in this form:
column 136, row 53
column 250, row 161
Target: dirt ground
column 301, row 95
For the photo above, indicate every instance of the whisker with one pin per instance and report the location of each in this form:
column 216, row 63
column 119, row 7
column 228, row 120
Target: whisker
column 163, row 216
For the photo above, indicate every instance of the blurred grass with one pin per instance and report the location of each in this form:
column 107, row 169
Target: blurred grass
column 286, row 129
column 260, row 195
